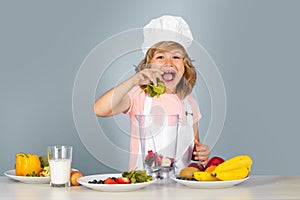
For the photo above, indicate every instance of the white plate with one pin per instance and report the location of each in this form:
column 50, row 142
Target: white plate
column 110, row 187
column 26, row 179
column 209, row 184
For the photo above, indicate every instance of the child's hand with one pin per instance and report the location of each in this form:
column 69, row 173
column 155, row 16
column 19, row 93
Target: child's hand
column 147, row 76
column 201, row 152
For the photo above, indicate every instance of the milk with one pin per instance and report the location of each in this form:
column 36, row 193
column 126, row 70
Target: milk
column 60, row 171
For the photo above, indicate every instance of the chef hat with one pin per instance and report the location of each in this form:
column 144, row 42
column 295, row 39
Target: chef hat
column 166, row 28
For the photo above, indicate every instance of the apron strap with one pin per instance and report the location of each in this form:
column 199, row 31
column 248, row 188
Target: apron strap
column 147, row 105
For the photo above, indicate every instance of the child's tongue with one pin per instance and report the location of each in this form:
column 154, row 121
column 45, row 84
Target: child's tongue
column 168, row 77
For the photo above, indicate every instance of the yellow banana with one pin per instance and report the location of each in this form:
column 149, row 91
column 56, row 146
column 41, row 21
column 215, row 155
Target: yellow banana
column 204, row 176
column 241, row 161
column 234, row 174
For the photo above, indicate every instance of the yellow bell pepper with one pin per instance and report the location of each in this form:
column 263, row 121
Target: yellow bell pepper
column 27, row 164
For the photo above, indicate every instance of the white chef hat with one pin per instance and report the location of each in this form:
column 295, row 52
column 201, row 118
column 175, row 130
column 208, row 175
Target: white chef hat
column 166, row 28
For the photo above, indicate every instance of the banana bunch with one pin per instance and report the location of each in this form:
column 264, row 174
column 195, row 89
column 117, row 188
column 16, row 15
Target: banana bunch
column 235, row 168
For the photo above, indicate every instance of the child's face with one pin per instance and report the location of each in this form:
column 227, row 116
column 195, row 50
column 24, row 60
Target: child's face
column 171, row 63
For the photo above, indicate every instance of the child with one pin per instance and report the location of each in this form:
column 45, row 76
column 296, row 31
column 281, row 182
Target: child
column 169, row 62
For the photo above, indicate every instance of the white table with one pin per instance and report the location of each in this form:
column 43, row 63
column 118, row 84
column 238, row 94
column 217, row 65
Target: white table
column 257, row 187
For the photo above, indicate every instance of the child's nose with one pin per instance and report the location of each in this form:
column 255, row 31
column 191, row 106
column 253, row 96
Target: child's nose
column 168, row 61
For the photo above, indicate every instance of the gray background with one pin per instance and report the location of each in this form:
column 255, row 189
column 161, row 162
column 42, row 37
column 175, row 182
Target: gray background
column 255, row 45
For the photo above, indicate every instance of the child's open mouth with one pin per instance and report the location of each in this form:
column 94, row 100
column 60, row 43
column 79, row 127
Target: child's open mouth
column 169, row 76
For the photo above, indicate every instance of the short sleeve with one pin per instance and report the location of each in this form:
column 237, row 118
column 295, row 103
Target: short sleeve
column 136, row 100
column 196, row 111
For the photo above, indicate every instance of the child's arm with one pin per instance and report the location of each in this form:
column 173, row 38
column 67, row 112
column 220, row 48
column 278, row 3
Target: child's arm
column 116, row 100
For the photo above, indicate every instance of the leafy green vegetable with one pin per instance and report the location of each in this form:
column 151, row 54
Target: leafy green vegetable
column 137, row 176
column 44, row 161
column 157, row 90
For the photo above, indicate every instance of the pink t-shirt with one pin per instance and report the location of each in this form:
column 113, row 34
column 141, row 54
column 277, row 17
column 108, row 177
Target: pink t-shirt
column 166, row 103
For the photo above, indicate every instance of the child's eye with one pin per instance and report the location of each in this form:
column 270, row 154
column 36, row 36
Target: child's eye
column 159, row 57
column 176, row 57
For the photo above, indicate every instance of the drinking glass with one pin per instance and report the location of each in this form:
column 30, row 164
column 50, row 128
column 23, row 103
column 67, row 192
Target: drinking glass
column 60, row 159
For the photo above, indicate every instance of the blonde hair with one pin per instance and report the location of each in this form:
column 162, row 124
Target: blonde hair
column 188, row 80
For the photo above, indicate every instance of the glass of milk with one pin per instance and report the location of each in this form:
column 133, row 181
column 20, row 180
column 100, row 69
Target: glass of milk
column 60, row 158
